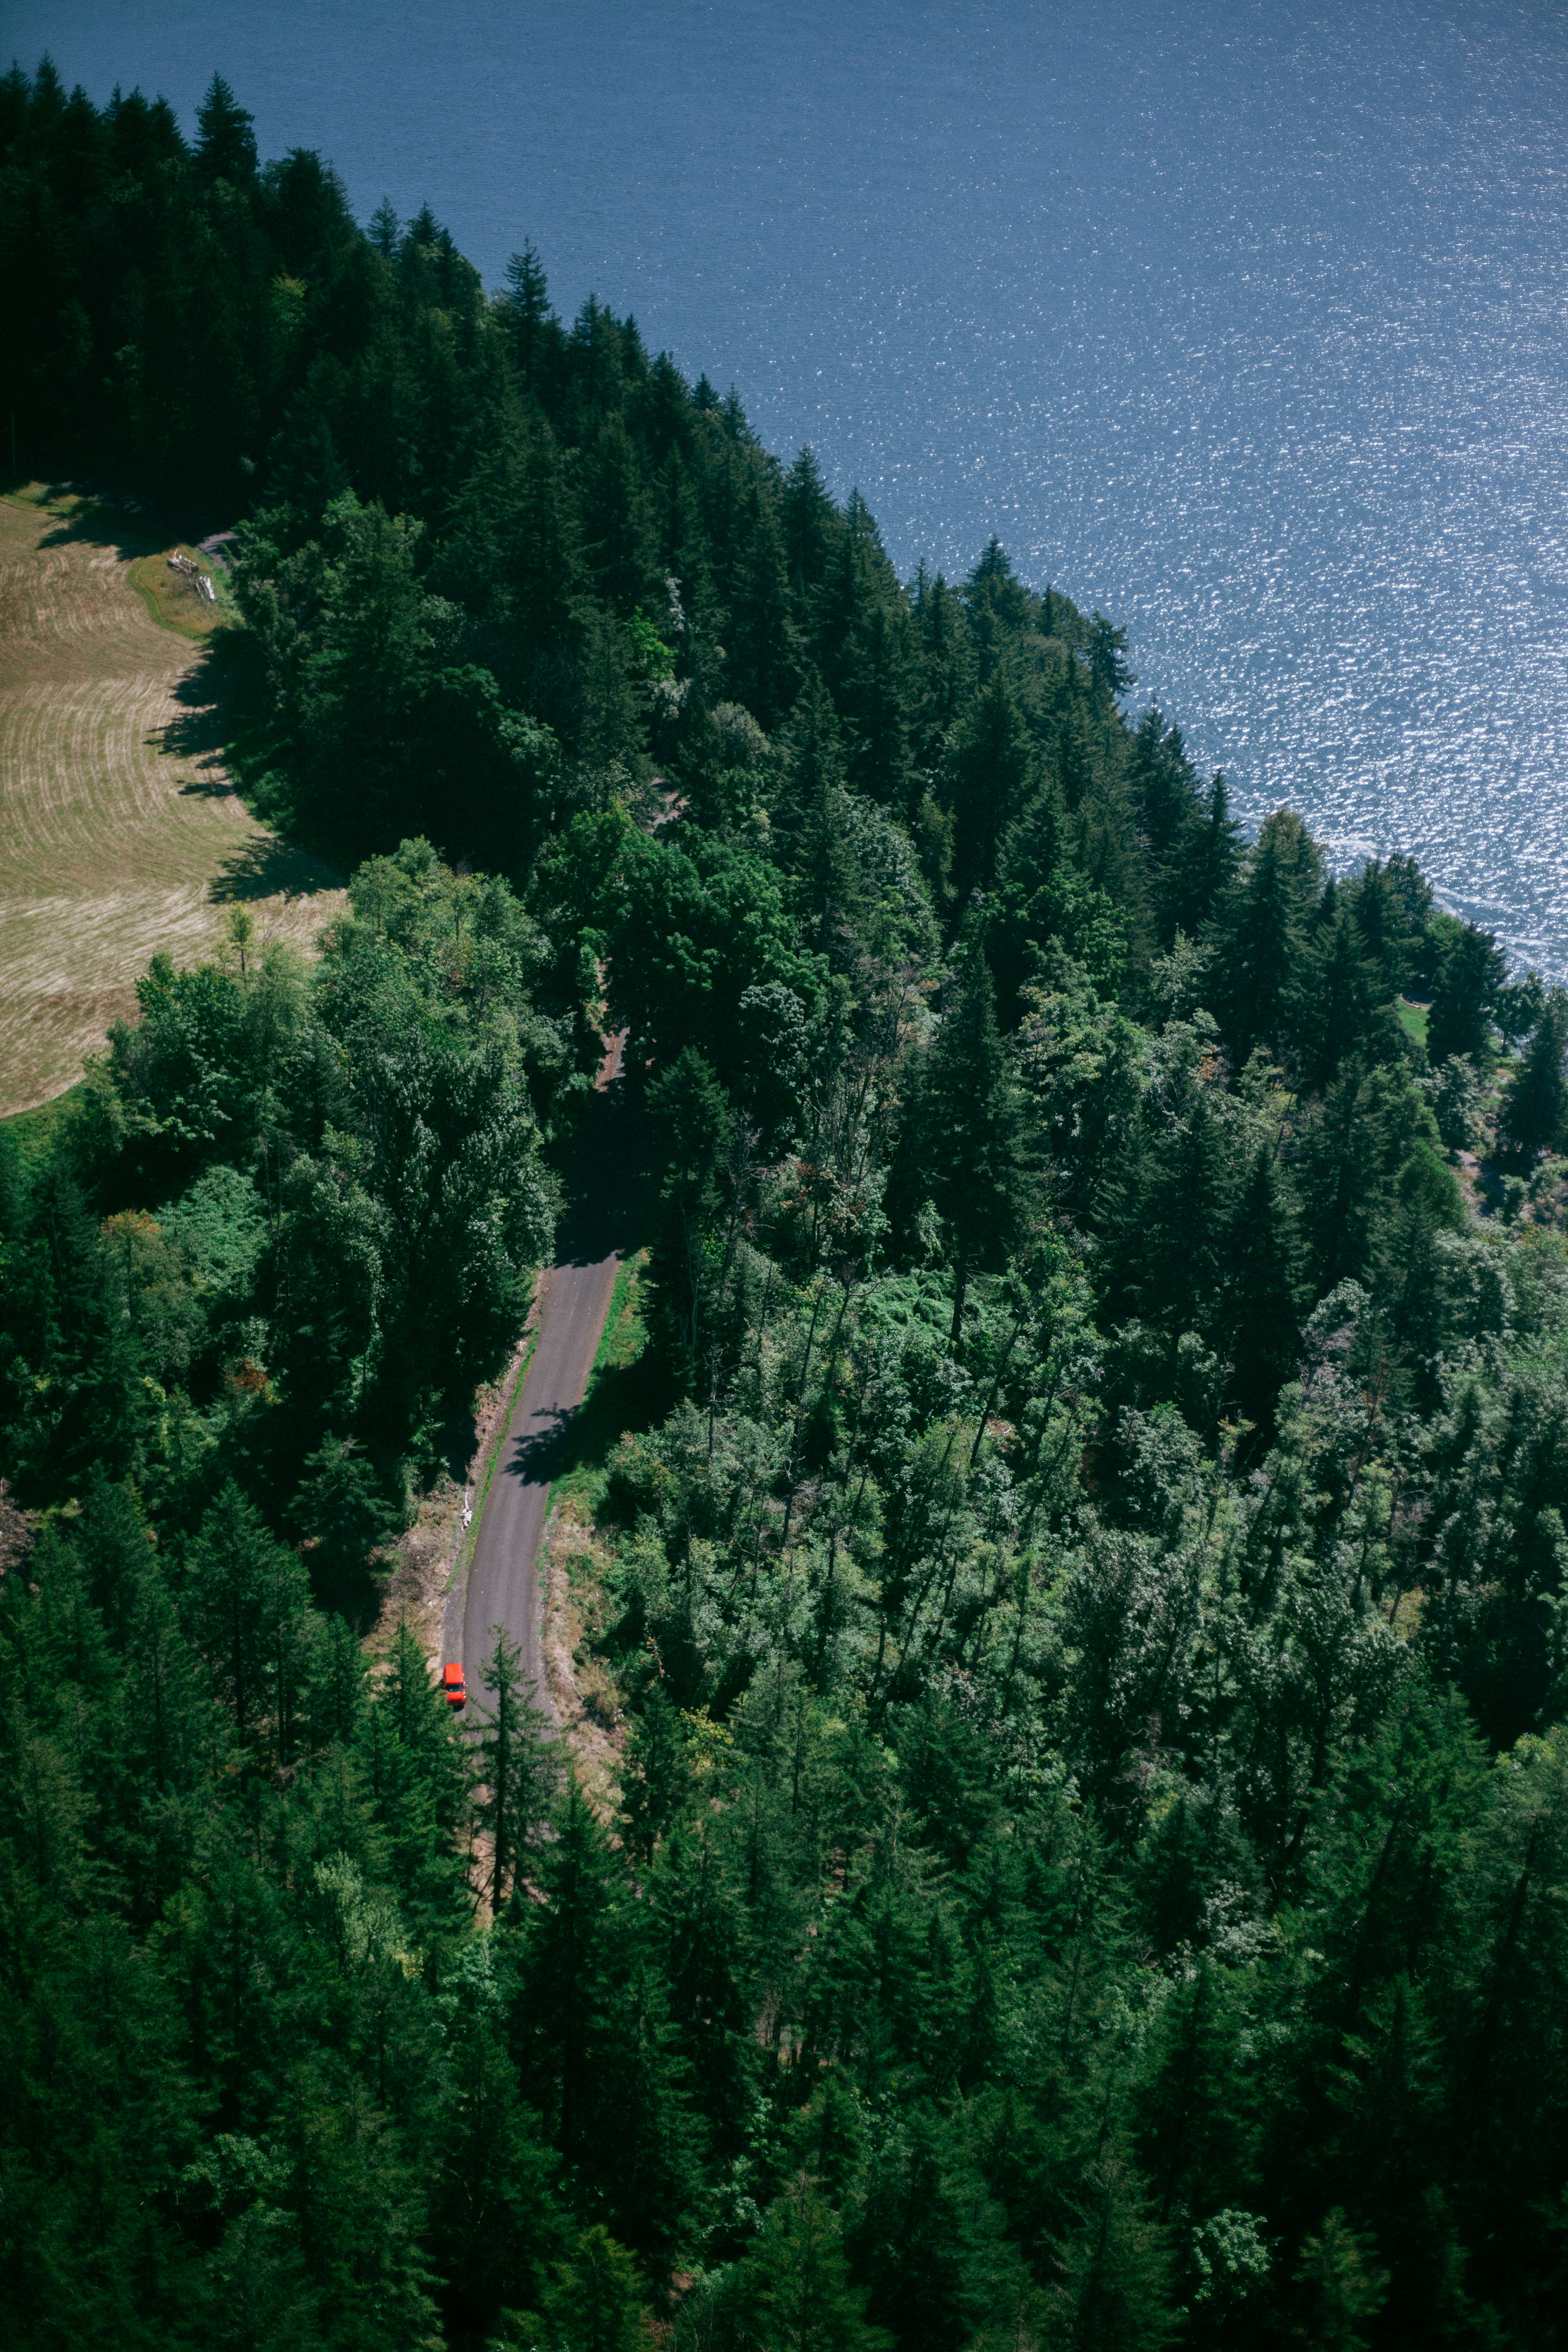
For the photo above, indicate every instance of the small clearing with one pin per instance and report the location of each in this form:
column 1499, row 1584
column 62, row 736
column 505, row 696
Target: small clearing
column 121, row 832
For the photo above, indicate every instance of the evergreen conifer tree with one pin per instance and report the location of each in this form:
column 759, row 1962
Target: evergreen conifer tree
column 1261, row 1291
column 702, row 1933
column 927, row 2239
column 1193, row 2124
column 1114, row 2286
column 592, row 2038
column 247, row 1605
column 496, row 2222
column 858, row 577
column 1107, row 668
column 1260, row 938
column 798, row 2285
column 813, row 531
column 1471, row 973
column 1390, row 909
column 1342, row 2283
column 338, row 1508
column 598, row 2302
column 385, row 230
column 566, row 1966
column 528, row 299
column 616, row 518
column 874, row 687
column 946, row 655
column 1163, row 789
column 1211, row 854
column 417, row 1780
column 225, row 135
column 1339, row 989
column 1174, row 1226
column 515, row 1764
column 1535, row 1114
column 813, row 768
column 989, row 779
column 970, row 1136
column 764, row 667
column 115, row 1546
column 170, row 1716
column 1019, row 916
column 699, row 1130
column 998, row 607
column 654, row 1779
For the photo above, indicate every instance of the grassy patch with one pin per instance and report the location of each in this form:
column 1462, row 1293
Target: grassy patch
column 1413, row 1019
column 172, row 596
column 622, row 1340
column 34, row 1131
column 122, row 830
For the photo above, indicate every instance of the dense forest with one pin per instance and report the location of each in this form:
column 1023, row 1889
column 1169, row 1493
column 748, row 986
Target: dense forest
column 1085, row 1591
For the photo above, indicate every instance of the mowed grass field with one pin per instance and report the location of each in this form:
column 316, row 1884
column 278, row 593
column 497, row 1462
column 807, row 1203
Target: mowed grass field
column 120, row 830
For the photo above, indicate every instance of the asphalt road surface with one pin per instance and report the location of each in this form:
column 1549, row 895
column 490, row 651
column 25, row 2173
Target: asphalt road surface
column 597, row 1230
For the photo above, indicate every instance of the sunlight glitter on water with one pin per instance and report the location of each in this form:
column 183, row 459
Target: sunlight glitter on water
column 1245, row 321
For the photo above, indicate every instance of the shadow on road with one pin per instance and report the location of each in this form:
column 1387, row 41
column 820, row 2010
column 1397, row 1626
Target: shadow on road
column 542, row 1453
column 607, row 1179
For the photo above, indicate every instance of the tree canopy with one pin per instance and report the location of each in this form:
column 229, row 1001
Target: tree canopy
column 1073, row 1615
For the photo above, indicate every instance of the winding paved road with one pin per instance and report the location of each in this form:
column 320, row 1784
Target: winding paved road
column 598, row 1229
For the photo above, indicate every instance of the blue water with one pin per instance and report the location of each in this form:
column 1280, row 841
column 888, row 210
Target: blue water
column 1248, row 323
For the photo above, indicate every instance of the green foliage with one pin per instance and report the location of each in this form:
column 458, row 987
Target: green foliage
column 597, row 2302
column 1535, row 1116
column 344, row 1517
column 1077, row 1618
column 968, row 1127
column 692, row 925
column 1340, row 2275
column 795, row 2290
column 517, row 1765
column 248, row 1619
column 353, row 1205
column 1472, row 972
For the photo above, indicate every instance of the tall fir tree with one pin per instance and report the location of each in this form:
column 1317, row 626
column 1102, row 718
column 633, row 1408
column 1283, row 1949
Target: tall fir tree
column 969, row 1127
column 1535, row 1114
column 1471, row 973
column 515, row 1763
column 990, row 776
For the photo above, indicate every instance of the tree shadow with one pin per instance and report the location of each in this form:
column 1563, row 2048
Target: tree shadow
column 459, row 1442
column 202, row 734
column 199, row 731
column 543, row 1453
column 133, row 526
column 607, row 1182
column 93, row 525
column 267, row 867
column 351, row 1588
column 608, row 1176
column 621, row 1397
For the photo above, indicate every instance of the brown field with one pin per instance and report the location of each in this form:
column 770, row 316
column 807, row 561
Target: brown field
column 120, row 830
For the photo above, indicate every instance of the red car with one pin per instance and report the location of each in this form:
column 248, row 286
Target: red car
column 453, row 1689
